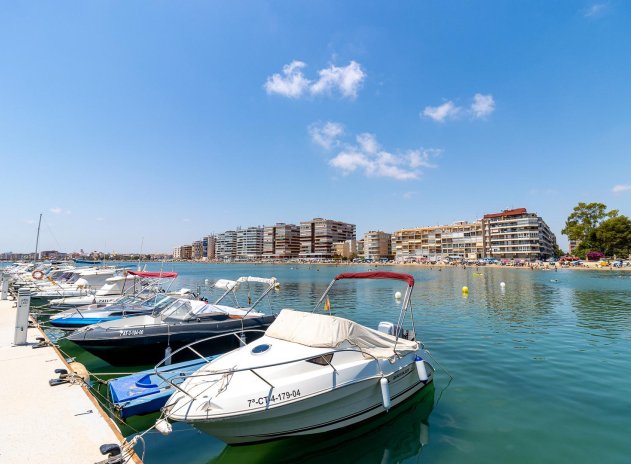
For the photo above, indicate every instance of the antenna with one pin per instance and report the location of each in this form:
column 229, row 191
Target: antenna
column 37, row 240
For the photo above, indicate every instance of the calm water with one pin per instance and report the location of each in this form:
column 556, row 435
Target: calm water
column 541, row 370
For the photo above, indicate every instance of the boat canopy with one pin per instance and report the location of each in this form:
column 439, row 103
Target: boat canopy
column 377, row 275
column 154, row 275
column 225, row 284
column 324, row 331
column 261, row 280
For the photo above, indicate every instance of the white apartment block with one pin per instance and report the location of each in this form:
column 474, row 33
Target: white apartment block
column 517, row 234
column 249, row 242
column 226, row 245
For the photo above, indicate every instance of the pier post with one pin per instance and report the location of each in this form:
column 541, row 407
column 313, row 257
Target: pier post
column 5, row 285
column 21, row 318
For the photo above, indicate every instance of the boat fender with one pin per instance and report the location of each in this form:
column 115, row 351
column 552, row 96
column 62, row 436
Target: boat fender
column 420, row 369
column 164, row 427
column 385, row 393
column 167, row 356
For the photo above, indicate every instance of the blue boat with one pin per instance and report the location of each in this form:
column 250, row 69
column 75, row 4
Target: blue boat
column 146, row 392
column 86, row 261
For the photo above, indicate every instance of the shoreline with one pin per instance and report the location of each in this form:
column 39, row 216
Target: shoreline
column 584, row 267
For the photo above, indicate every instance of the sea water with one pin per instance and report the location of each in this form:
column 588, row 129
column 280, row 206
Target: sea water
column 537, row 370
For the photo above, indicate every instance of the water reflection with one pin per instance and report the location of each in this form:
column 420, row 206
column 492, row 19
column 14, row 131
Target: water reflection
column 399, row 434
column 603, row 311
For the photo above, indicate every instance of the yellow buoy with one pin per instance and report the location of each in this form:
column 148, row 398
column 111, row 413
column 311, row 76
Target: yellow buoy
column 465, row 289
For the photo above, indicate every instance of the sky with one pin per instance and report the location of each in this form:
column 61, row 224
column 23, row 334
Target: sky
column 141, row 126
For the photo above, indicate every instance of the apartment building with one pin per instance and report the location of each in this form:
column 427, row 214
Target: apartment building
column 197, row 250
column 210, row 242
column 462, row 240
column 572, row 246
column 183, row 252
column 377, row 245
column 226, row 245
column 281, row 241
column 318, row 235
column 249, row 243
column 517, row 234
column 346, row 249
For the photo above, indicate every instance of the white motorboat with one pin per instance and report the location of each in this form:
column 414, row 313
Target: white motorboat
column 129, row 283
column 81, row 283
column 309, row 373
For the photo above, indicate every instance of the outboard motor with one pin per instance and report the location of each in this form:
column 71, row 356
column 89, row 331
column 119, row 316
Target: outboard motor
column 394, row 330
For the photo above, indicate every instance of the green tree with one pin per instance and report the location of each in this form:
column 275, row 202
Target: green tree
column 613, row 236
column 583, row 222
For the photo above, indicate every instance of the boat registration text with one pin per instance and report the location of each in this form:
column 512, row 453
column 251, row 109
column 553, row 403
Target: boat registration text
column 122, row 333
column 265, row 400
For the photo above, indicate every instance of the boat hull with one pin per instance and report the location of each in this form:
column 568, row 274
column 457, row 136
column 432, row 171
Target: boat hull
column 148, row 344
column 337, row 409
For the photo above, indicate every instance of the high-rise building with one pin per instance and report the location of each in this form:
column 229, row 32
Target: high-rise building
column 226, row 245
column 281, row 241
column 197, row 250
column 249, row 242
column 211, row 243
column 377, row 245
column 517, row 234
column 318, row 236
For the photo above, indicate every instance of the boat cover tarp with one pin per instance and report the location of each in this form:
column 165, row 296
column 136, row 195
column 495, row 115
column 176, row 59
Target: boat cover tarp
column 323, row 331
column 377, row 275
column 154, row 275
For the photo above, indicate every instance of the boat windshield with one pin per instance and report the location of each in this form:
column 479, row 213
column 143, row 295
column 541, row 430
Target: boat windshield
column 127, row 300
column 178, row 310
column 159, row 303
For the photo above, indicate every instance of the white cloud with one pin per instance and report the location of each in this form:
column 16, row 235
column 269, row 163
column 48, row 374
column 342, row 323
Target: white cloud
column 291, row 84
column 621, row 188
column 420, row 158
column 186, row 220
column 408, row 195
column 440, row 113
column 368, row 157
column 100, row 219
column 345, row 80
column 326, row 135
column 56, row 210
column 482, row 105
column 28, row 221
column 595, row 10
column 368, row 143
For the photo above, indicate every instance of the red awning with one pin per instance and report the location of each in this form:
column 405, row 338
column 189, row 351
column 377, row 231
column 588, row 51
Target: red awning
column 377, row 275
column 154, row 275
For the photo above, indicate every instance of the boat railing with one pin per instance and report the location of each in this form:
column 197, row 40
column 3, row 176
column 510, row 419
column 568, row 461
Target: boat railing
column 240, row 335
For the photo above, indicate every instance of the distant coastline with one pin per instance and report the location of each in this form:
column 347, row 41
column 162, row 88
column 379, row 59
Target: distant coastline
column 591, row 266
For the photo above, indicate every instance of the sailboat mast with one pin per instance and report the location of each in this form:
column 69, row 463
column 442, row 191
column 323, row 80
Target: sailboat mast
column 37, row 240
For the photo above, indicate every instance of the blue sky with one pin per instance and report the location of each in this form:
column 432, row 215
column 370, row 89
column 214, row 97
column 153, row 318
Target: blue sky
column 159, row 122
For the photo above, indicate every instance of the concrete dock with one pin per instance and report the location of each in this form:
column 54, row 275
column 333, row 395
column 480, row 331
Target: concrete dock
column 40, row 423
